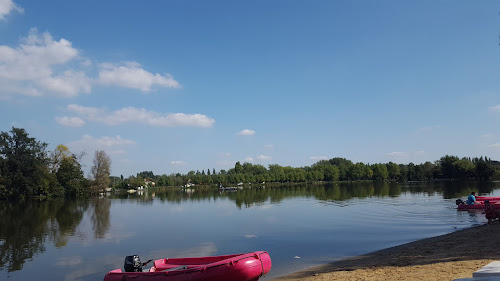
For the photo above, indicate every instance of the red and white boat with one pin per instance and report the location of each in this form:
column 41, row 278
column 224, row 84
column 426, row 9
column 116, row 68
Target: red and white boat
column 239, row 267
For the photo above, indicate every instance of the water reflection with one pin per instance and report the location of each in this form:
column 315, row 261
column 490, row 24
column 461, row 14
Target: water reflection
column 251, row 196
column 27, row 228
column 100, row 216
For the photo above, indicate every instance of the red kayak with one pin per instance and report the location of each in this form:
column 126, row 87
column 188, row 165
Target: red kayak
column 239, row 267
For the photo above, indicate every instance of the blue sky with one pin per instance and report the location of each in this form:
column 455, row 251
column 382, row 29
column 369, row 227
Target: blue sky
column 174, row 86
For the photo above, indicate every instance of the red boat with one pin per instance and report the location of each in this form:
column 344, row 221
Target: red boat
column 491, row 198
column 239, row 267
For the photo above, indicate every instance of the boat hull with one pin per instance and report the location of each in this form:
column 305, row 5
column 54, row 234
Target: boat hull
column 491, row 198
column 477, row 206
column 240, row 267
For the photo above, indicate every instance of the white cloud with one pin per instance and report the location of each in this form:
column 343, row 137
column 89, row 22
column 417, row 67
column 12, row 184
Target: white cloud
column 131, row 75
column 40, row 66
column 246, row 132
column 178, row 163
column 30, row 69
column 264, row 158
column 427, row 129
column 7, row 6
column 317, row 158
column 249, row 159
column 69, row 84
column 141, row 116
column 70, row 121
column 89, row 143
column 398, row 154
column 495, row 108
column 114, row 141
column 495, row 145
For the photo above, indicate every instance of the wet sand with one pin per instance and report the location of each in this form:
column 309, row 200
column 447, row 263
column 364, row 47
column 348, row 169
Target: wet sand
column 445, row 257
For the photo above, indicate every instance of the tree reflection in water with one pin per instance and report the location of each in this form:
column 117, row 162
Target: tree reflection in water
column 25, row 227
column 100, row 216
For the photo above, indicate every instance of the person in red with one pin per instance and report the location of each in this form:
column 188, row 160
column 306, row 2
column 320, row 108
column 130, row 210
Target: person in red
column 490, row 211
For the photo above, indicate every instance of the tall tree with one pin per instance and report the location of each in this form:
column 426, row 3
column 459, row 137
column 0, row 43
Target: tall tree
column 100, row 171
column 24, row 164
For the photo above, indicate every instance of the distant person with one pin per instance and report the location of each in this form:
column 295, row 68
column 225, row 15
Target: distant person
column 490, row 211
column 471, row 200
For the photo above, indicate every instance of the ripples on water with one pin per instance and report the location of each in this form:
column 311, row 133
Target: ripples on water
column 300, row 225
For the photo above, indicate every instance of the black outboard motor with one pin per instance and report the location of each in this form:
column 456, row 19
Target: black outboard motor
column 459, row 202
column 133, row 264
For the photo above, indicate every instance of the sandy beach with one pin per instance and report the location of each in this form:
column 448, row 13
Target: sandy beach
column 445, row 257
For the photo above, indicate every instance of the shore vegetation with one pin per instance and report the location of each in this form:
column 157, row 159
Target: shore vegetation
column 27, row 169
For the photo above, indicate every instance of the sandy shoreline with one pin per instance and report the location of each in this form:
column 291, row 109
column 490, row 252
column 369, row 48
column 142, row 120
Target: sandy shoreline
column 445, row 257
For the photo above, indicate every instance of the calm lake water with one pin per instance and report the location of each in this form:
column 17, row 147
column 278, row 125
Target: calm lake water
column 299, row 225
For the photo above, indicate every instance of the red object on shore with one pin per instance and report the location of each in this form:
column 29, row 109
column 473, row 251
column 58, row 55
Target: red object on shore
column 239, row 267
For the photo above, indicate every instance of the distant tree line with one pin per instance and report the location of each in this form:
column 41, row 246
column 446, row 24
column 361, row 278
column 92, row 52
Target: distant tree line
column 27, row 169
column 335, row 169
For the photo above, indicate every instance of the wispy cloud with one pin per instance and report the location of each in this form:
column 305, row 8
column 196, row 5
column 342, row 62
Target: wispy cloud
column 495, row 145
column 264, row 158
column 7, row 6
column 178, row 163
column 246, row 132
column 397, row 154
column 112, row 145
column 405, row 156
column 249, row 159
column 131, row 75
column 318, row 158
column 70, row 121
column 103, row 142
column 140, row 116
column 495, row 108
column 428, row 129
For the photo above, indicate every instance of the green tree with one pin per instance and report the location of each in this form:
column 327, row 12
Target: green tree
column 70, row 176
column 484, row 170
column 394, row 170
column 448, row 170
column 238, row 168
column 380, row 172
column 24, row 162
column 464, row 168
